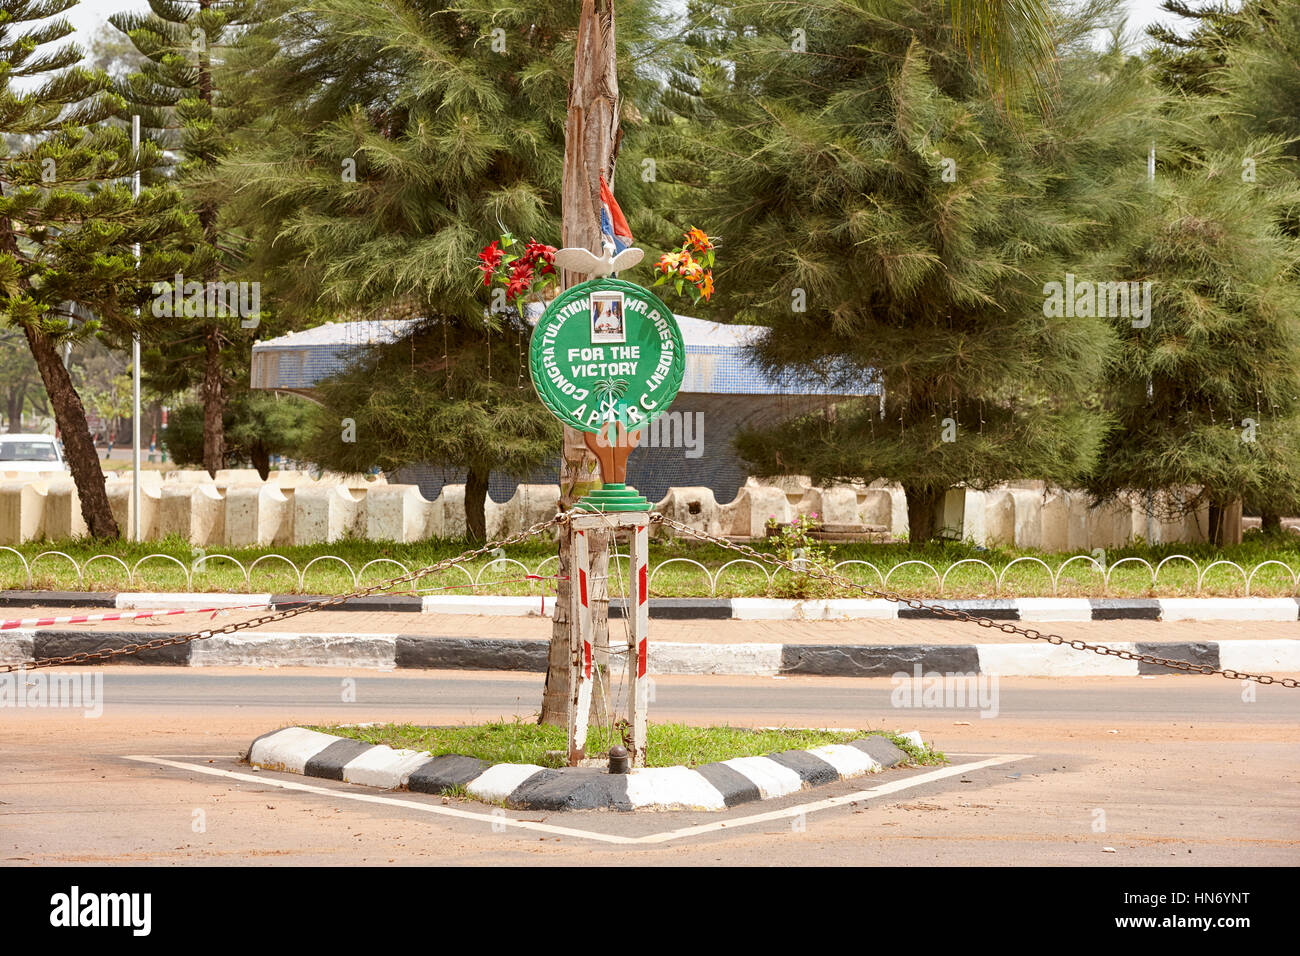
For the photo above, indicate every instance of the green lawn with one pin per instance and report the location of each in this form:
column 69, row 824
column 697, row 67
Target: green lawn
column 676, row 568
column 667, row 745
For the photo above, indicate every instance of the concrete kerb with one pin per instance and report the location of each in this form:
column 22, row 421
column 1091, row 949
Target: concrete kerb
column 1043, row 610
column 386, row 652
column 714, row 786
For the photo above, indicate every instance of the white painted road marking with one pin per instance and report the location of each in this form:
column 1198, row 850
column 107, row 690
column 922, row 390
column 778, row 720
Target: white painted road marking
column 487, row 817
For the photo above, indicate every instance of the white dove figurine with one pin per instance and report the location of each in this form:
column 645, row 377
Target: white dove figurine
column 582, row 261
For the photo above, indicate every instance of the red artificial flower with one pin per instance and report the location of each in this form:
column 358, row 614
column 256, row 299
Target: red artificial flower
column 489, row 259
column 521, row 277
column 537, row 253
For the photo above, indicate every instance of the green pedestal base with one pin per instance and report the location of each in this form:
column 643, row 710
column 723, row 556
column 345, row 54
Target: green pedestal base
column 614, row 497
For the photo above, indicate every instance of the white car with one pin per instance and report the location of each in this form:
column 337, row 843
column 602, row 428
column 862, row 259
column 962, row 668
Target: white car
column 31, row 453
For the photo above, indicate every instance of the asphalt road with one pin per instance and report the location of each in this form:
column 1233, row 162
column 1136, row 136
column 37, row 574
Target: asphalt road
column 431, row 695
column 1171, row 770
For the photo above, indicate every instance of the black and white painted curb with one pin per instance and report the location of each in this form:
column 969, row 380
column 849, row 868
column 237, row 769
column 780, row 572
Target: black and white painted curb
column 1044, row 610
column 426, row 652
column 713, row 786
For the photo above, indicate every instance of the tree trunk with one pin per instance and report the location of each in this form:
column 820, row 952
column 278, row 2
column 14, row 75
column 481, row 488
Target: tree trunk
column 591, row 139
column 78, row 445
column 16, row 396
column 1225, row 522
column 1270, row 523
column 214, row 403
column 922, row 510
column 261, row 459
column 476, row 487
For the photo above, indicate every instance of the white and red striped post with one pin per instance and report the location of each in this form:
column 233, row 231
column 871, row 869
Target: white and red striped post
column 580, row 663
column 638, row 639
column 637, row 523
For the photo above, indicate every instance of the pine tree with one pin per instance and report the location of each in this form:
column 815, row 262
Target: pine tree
column 257, row 425
column 892, row 224
column 1207, row 398
column 1188, row 63
column 405, row 403
column 191, row 96
column 67, row 220
column 402, row 138
column 1261, row 85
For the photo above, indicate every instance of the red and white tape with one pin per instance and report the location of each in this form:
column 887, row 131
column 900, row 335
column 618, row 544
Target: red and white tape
column 120, row 616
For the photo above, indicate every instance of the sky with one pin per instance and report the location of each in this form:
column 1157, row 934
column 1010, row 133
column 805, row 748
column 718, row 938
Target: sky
column 89, row 13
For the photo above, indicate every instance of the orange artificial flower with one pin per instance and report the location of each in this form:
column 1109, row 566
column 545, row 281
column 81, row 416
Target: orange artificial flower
column 705, row 286
column 697, row 240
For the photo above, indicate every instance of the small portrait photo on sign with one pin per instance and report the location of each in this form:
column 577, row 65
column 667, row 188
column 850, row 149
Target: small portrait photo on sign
column 607, row 318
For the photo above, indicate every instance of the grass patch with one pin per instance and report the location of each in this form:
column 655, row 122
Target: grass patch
column 668, row 744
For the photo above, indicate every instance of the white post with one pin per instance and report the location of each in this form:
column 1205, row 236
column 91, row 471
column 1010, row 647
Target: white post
column 135, row 356
column 637, row 523
column 1151, row 521
column 580, row 663
column 638, row 639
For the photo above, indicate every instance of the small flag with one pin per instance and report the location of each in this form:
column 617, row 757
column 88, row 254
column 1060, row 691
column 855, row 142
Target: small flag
column 613, row 227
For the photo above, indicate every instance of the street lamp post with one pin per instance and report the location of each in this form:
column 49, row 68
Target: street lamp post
column 135, row 354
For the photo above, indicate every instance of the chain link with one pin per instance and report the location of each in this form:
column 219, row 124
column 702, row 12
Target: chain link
column 965, row 616
column 108, row 653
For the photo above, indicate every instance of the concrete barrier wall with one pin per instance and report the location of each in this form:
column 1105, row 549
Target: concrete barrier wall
column 237, row 509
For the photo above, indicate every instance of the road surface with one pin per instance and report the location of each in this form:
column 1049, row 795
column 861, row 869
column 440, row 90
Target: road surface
column 1166, row 770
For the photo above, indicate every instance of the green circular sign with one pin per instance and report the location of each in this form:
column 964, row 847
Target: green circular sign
column 607, row 350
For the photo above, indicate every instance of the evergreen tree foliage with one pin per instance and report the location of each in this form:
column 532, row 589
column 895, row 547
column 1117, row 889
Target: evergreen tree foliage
column 1261, row 83
column 890, row 223
column 1188, row 63
column 67, row 219
column 190, row 90
column 1205, row 398
column 444, row 394
column 257, row 426
column 399, row 138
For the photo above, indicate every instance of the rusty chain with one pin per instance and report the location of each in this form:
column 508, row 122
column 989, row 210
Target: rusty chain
column 108, row 653
column 965, row 616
